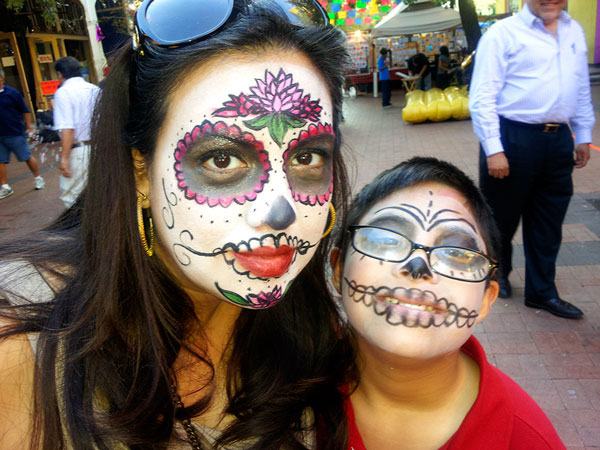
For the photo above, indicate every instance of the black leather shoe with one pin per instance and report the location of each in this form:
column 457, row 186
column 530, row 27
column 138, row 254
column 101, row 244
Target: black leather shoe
column 505, row 288
column 556, row 306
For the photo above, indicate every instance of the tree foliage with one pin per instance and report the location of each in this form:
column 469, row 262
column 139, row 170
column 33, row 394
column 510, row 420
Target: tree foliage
column 47, row 9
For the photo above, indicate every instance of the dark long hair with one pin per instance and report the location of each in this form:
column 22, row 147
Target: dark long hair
column 109, row 337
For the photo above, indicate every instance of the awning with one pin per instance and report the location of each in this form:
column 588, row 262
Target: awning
column 421, row 17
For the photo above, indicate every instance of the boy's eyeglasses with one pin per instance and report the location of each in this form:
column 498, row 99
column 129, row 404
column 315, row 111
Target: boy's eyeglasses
column 457, row 263
column 174, row 23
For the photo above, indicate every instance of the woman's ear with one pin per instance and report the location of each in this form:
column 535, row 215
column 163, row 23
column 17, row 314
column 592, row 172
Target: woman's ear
column 489, row 297
column 140, row 172
column 336, row 269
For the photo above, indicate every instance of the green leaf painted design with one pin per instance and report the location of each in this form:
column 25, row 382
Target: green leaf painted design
column 232, row 296
column 258, row 123
column 294, row 122
column 278, row 128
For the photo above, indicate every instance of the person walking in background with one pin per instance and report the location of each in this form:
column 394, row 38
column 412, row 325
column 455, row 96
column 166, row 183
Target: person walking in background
column 14, row 118
column 73, row 108
column 384, row 77
column 530, row 91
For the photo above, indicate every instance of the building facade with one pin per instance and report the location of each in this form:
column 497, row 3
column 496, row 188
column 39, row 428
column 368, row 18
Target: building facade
column 30, row 45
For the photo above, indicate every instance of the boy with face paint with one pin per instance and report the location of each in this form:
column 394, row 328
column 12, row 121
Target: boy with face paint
column 414, row 266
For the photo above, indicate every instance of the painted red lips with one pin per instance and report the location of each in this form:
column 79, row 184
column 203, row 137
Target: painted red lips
column 266, row 262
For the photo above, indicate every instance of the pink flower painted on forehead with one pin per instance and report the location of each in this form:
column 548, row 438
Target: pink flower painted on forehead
column 219, row 128
column 278, row 103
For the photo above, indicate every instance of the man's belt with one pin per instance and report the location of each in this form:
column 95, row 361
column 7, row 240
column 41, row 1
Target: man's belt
column 550, row 127
column 81, row 144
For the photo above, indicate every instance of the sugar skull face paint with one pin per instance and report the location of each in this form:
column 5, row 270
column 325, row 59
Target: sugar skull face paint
column 241, row 184
column 407, row 308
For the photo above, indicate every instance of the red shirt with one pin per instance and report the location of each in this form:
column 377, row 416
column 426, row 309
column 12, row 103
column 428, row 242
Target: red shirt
column 503, row 417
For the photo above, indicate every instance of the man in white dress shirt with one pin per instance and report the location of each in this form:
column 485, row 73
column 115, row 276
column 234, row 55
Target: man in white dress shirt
column 73, row 105
column 530, row 92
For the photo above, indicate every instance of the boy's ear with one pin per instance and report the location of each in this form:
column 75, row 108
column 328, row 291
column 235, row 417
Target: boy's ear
column 336, row 269
column 489, row 297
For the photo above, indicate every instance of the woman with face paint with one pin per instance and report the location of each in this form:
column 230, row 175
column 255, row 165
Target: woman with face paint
column 182, row 301
column 414, row 267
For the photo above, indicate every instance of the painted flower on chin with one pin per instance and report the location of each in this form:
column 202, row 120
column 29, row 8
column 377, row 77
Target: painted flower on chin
column 265, row 299
column 261, row 300
column 278, row 103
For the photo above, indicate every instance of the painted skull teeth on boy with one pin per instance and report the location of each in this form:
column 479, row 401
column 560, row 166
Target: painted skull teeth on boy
column 253, row 186
column 411, row 307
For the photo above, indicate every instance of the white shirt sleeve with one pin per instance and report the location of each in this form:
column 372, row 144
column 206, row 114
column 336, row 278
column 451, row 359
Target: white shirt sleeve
column 487, row 81
column 583, row 121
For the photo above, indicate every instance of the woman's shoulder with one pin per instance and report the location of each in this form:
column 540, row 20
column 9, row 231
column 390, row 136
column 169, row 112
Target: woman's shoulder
column 17, row 363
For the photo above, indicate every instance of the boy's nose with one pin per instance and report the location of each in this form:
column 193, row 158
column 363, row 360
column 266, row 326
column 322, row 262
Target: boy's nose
column 416, row 268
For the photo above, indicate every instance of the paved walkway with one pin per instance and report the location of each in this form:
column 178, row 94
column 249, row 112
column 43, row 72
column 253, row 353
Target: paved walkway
column 556, row 360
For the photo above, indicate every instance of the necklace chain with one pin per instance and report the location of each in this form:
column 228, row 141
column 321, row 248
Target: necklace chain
column 190, row 431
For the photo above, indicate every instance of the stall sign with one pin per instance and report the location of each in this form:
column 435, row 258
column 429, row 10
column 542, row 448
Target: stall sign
column 45, row 59
column 49, row 87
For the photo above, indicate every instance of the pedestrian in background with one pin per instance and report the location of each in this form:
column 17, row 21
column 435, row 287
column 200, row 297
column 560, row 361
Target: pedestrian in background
column 384, row 77
column 73, row 107
column 529, row 93
column 14, row 119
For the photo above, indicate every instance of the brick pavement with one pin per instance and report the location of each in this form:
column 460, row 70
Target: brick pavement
column 557, row 361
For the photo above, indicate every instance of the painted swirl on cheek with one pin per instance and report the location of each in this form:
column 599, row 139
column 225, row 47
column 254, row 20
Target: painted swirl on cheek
column 308, row 164
column 218, row 164
column 411, row 307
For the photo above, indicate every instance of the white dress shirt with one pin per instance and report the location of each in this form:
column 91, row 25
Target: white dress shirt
column 73, row 107
column 525, row 73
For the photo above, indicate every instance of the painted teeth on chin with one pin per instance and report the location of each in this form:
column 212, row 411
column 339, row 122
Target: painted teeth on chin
column 269, row 241
column 394, row 317
column 438, row 320
column 380, row 306
column 452, row 315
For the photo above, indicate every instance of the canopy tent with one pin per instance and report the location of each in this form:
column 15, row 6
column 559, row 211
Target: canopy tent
column 420, row 17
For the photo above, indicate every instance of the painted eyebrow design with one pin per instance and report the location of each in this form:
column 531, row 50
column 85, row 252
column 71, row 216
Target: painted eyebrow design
column 470, row 241
column 421, row 218
column 394, row 220
column 408, row 209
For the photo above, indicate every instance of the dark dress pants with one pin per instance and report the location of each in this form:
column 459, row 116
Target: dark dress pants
column 386, row 92
column 538, row 191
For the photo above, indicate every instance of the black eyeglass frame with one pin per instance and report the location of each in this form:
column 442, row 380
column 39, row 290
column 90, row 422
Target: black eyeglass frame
column 143, row 31
column 492, row 265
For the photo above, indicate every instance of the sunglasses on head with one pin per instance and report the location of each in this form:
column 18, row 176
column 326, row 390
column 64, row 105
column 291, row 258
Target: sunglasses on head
column 175, row 23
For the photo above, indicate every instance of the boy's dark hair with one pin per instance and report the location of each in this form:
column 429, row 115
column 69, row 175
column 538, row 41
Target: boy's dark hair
column 383, row 51
column 68, row 67
column 444, row 51
column 413, row 172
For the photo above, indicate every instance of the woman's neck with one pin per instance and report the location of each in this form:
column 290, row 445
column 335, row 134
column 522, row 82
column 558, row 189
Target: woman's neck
column 211, row 337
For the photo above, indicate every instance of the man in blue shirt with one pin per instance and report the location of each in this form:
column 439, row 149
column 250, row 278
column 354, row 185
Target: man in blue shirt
column 14, row 114
column 529, row 92
column 384, row 78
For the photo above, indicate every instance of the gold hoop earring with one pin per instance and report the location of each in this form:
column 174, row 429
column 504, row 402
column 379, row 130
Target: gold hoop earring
column 333, row 216
column 148, row 248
